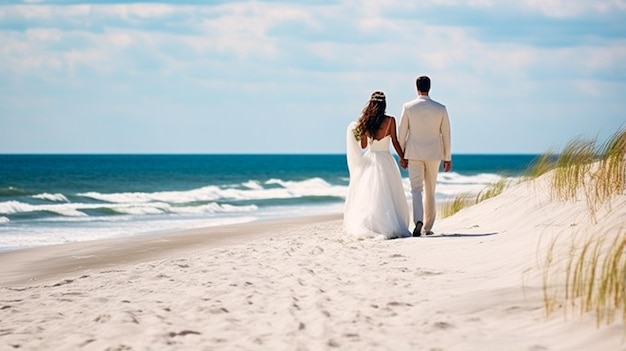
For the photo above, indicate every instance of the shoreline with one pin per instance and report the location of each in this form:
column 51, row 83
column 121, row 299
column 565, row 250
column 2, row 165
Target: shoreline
column 29, row 265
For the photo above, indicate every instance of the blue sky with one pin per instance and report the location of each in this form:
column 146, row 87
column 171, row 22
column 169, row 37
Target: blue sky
column 521, row 76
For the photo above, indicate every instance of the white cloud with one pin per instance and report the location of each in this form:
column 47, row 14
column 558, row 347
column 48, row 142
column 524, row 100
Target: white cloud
column 139, row 10
column 244, row 32
column 573, row 8
column 322, row 60
column 69, row 12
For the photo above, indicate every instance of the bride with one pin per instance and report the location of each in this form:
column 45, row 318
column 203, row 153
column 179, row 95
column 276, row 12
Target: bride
column 376, row 206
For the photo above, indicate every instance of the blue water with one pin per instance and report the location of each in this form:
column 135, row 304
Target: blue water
column 53, row 199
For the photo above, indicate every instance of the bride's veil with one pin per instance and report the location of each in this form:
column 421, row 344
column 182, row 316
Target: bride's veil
column 354, row 153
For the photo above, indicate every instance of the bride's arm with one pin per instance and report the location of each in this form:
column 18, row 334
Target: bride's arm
column 363, row 140
column 394, row 138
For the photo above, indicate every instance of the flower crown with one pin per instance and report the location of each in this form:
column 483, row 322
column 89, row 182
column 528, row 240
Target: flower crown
column 378, row 96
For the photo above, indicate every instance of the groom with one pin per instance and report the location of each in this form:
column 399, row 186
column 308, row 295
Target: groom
column 425, row 138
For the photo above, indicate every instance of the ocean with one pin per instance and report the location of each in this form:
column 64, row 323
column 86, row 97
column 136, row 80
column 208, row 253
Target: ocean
column 56, row 199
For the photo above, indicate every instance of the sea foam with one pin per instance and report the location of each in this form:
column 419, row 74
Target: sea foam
column 252, row 190
column 51, row 197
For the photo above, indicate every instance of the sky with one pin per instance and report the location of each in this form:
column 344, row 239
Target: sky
column 517, row 76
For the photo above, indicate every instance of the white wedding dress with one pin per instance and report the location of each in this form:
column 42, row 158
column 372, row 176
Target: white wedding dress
column 376, row 206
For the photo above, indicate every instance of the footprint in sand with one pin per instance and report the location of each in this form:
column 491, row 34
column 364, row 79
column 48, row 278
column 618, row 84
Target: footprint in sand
column 400, row 304
column 443, row 325
column 103, row 318
column 119, row 348
column 66, row 281
column 218, row 310
column 183, row 333
column 316, row 251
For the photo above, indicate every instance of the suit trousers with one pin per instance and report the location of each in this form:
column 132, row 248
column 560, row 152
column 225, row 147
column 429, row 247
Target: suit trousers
column 423, row 177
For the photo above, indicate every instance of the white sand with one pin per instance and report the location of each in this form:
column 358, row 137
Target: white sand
column 305, row 286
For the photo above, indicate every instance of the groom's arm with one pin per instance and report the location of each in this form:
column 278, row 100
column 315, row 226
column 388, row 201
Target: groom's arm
column 447, row 143
column 446, row 135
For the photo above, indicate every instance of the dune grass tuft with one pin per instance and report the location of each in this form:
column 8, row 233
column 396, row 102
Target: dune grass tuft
column 610, row 177
column 572, row 167
column 595, row 274
column 541, row 165
column 464, row 200
column 493, row 190
column 584, row 168
column 550, row 298
column 460, row 202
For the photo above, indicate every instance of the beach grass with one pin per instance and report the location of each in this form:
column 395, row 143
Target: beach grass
column 543, row 164
column 595, row 172
column 595, row 268
column 464, row 200
column 493, row 190
column 610, row 178
column 571, row 169
column 594, row 277
column 550, row 299
column 460, row 202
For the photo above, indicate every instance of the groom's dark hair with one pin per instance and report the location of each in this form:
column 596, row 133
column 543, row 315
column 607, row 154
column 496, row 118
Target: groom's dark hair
column 423, row 84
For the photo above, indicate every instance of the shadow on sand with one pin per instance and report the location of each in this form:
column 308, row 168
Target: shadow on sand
column 457, row 235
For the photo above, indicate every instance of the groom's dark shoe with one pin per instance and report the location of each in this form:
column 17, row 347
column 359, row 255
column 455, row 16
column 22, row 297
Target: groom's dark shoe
column 418, row 228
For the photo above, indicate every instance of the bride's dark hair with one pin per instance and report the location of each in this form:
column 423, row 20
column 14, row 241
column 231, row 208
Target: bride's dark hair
column 373, row 114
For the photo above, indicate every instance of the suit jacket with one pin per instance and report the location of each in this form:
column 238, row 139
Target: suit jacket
column 425, row 130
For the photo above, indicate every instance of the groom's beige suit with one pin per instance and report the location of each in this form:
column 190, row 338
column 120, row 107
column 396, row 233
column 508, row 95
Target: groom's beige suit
column 424, row 135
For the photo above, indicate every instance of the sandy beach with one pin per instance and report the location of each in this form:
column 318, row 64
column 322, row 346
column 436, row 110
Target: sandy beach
column 303, row 285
